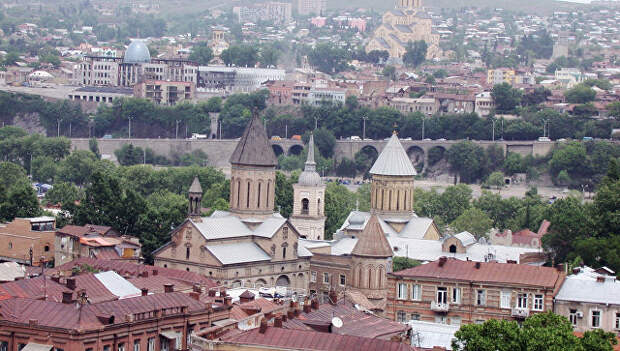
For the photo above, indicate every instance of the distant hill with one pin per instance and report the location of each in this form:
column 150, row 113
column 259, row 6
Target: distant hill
column 528, row 6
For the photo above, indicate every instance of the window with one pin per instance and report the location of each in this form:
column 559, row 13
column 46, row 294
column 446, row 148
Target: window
column 121, row 346
column 617, row 324
column 151, row 345
column 187, row 253
column 539, row 302
column 505, row 299
column 415, row 316
column 284, row 252
column 325, row 278
column 456, row 295
column 415, row 292
column 596, row 319
column 572, row 317
column 442, row 294
column 401, row 316
column 285, row 233
column 343, row 280
column 402, row 291
column 4, row 346
column 481, row 297
column 136, row 345
column 10, row 245
column 479, row 321
column 106, row 348
column 441, row 320
column 522, row 300
column 313, row 277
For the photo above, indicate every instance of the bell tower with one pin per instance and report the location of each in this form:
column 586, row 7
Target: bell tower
column 309, row 200
column 195, row 201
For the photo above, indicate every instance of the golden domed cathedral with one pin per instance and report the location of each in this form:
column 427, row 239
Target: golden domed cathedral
column 407, row 22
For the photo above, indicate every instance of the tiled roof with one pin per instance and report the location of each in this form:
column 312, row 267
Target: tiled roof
column 253, row 148
column 372, row 241
column 393, row 160
column 355, row 322
column 281, row 338
column 488, row 272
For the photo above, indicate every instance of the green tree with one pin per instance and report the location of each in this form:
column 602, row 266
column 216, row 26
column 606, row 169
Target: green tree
column 324, row 140
column 10, row 58
column 415, row 53
column 466, row 159
column 495, row 180
column 389, row 72
column 64, row 193
column 44, row 169
column 614, row 109
column 339, row 202
column 284, row 194
column 10, row 174
column 506, row 98
column 201, row 54
column 454, row 201
column 269, row 56
column 399, row 263
column 21, row 201
column 473, row 220
column 328, row 58
column 513, row 163
column 240, row 56
column 93, row 146
column 580, row 94
column 346, row 168
column 77, row 167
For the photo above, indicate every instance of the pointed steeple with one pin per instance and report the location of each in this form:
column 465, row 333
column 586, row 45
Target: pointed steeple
column 253, row 148
column 195, row 200
column 372, row 241
column 393, row 160
column 309, row 177
column 195, row 187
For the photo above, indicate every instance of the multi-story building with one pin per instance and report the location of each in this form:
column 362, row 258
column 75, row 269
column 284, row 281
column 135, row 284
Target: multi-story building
column 320, row 95
column 275, row 12
column 222, row 79
column 94, row 241
column 97, row 95
column 406, row 23
column 501, row 75
column 163, row 92
column 569, row 77
column 458, row 292
column 311, row 7
column 590, row 299
column 484, row 104
column 28, row 240
column 427, row 106
column 249, row 245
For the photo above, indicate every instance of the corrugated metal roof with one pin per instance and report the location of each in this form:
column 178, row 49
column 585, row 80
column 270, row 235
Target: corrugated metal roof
column 117, row 285
column 584, row 287
column 222, row 227
column 393, row 160
column 11, row 270
column 311, row 340
column 238, row 252
column 488, row 272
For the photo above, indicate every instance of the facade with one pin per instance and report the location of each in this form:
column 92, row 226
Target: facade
column 311, row 7
column 167, row 93
column 309, row 200
column 484, row 104
column 427, row 106
column 28, row 240
column 72, row 242
column 275, row 12
column 218, row 41
column 590, row 299
column 501, row 75
column 319, row 95
column 99, row 95
column 408, row 22
column 522, row 238
column 228, row 80
column 251, row 245
column 456, row 292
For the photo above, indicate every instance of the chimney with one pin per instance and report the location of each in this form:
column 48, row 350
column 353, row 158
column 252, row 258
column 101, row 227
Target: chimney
column 277, row 322
column 223, row 292
column 228, row 301
column 211, row 293
column 307, row 308
column 145, row 274
column 297, row 312
column 71, row 283
column 197, row 288
column 194, row 295
column 168, row 288
column 284, row 317
column 442, row 260
column 145, row 291
column 315, row 304
column 290, row 314
column 67, row 297
column 600, row 279
column 333, row 297
column 477, row 265
column 56, row 278
column 154, row 272
column 263, row 326
column 33, row 322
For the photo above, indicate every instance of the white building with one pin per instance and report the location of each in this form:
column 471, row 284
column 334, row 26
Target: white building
column 235, row 79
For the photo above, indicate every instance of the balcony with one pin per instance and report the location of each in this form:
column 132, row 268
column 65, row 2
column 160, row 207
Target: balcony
column 520, row 312
column 440, row 307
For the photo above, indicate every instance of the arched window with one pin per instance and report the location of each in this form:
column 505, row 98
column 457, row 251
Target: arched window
column 268, row 187
column 238, row 193
column 258, row 201
column 369, row 277
column 382, row 197
column 46, row 248
column 305, row 206
column 452, row 248
column 284, row 253
column 318, row 207
column 187, row 253
column 397, row 200
column 247, row 199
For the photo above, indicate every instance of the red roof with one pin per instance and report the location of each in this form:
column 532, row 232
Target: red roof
column 311, row 340
column 488, row 272
column 355, row 322
column 79, row 231
column 106, row 253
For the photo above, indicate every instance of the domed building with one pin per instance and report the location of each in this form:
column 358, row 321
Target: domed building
column 309, row 200
column 137, row 52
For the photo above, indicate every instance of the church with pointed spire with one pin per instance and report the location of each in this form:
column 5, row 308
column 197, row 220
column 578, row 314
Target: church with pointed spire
column 251, row 245
column 309, row 200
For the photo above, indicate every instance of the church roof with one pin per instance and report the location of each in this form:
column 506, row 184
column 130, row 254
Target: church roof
column 393, row 160
column 309, row 177
column 253, row 148
column 372, row 241
column 195, row 187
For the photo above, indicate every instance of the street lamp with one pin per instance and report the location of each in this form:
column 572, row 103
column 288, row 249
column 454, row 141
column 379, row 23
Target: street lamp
column 493, row 131
column 364, row 118
column 58, row 126
column 422, row 127
column 176, row 132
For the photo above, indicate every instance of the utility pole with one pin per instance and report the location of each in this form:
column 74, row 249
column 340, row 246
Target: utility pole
column 176, row 132
column 286, row 130
column 364, row 118
column 58, row 125
column 422, row 127
column 493, row 131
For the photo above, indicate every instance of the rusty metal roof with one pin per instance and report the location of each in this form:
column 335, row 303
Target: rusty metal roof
column 487, row 272
column 310, row 340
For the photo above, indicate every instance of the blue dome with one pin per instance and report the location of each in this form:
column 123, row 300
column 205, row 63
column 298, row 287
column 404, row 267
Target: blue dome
column 137, row 52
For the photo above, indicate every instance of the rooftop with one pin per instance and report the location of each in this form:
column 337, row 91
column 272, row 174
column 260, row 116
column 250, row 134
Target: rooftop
column 393, row 160
column 253, row 149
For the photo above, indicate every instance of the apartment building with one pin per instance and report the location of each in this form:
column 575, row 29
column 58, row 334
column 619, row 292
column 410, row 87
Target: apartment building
column 311, row 7
column 500, row 75
column 456, row 292
column 484, row 104
column 427, row 106
column 28, row 240
column 168, row 93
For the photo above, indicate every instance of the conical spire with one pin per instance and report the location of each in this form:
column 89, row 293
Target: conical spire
column 372, row 241
column 253, row 148
column 195, row 188
column 393, row 160
column 309, row 177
